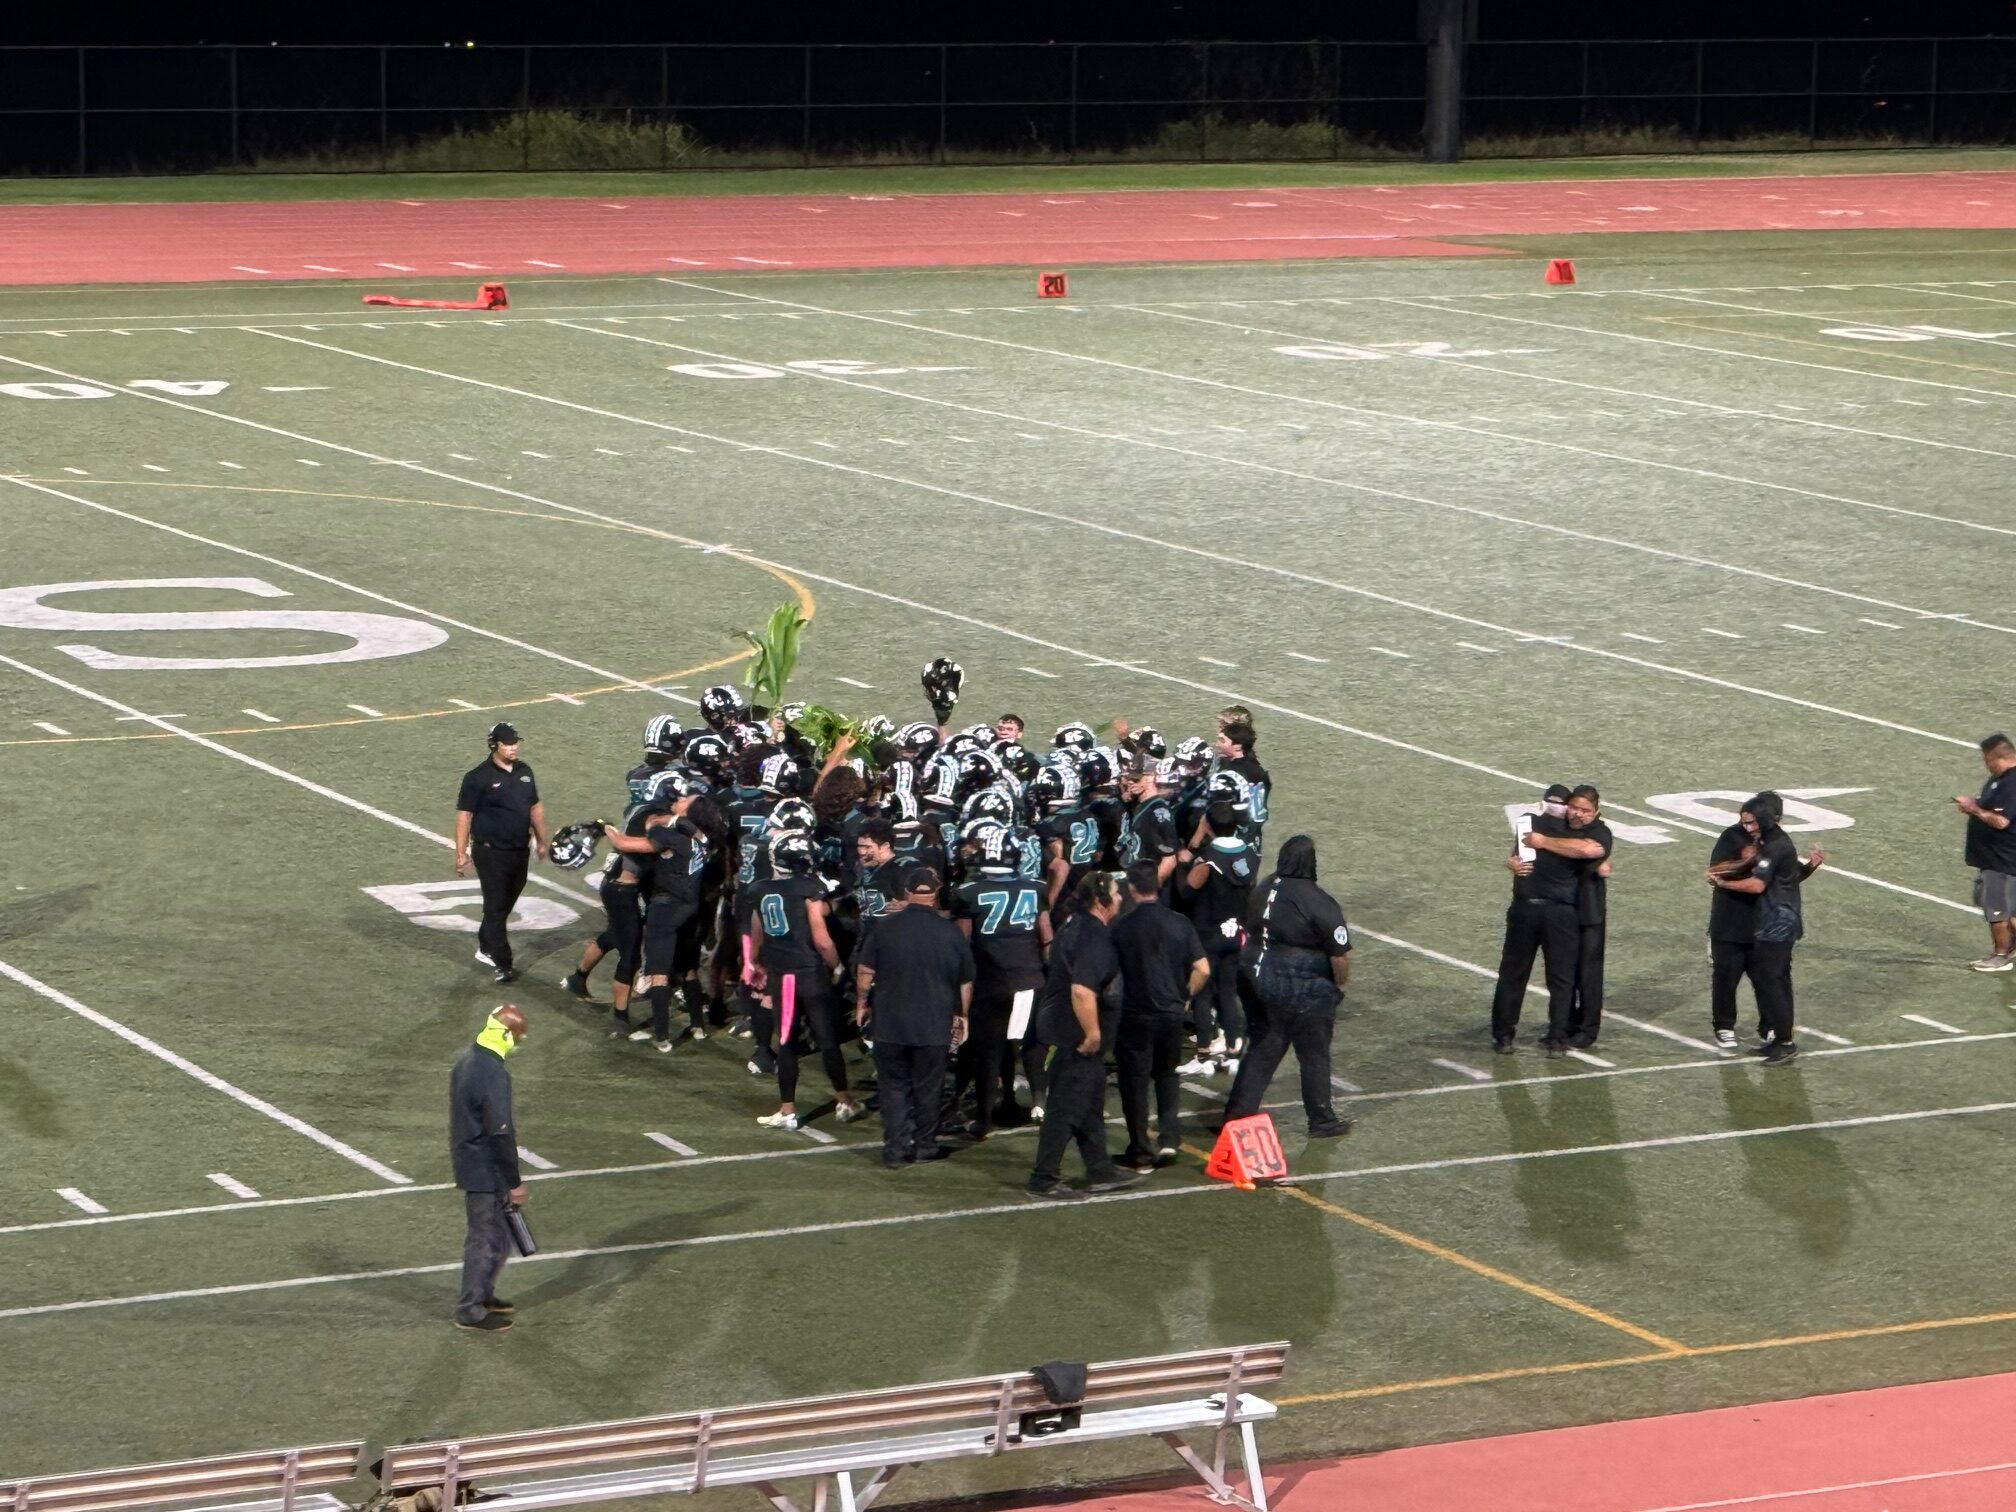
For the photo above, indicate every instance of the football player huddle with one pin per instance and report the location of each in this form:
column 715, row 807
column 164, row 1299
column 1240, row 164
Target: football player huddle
column 786, row 834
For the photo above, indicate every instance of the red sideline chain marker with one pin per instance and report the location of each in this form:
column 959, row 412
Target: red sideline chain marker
column 1560, row 271
column 1248, row 1151
column 490, row 296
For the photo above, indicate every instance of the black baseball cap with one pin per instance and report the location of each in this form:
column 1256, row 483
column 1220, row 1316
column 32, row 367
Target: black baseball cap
column 920, row 879
column 1558, row 793
column 503, row 734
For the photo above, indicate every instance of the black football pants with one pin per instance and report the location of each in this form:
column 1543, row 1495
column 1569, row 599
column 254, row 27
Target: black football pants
column 1150, row 1049
column 1548, row 930
column 1586, row 1021
column 910, row 1090
column 1074, row 1112
column 1771, row 980
column 1307, row 1031
column 502, row 875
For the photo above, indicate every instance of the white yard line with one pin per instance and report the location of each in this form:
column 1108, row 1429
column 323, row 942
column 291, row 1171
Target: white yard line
column 536, row 1161
column 1038, row 672
column 912, row 1220
column 367, row 710
column 209, row 1079
column 78, row 1200
column 1822, row 1034
column 1283, row 572
column 1196, row 1088
column 1366, row 490
column 1931, row 1023
column 1592, row 1060
column 935, row 610
column 1664, row 1142
column 1461, row 1070
column 50, row 729
column 234, row 1186
column 1305, row 656
column 677, row 1147
column 348, row 587
column 262, row 718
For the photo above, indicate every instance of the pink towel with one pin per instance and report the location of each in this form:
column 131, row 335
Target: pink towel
column 787, row 1007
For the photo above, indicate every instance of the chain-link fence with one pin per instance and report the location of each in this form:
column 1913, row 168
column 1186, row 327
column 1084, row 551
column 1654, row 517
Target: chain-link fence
column 117, row 110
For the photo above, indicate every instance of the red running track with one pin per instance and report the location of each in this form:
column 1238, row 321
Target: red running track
column 386, row 241
column 1941, row 1447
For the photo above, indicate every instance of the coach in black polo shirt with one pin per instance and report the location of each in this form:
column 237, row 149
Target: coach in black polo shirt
column 1542, row 921
column 499, row 821
column 1162, row 966
column 1077, row 1013
column 915, row 978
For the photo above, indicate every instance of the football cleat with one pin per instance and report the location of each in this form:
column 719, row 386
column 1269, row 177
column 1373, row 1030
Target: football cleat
column 573, row 847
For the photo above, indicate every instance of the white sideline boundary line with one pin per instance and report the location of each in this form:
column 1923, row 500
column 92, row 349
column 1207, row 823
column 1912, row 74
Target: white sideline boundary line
column 209, row 1079
column 645, row 1168
column 347, row 587
column 908, row 1220
column 1198, row 1089
column 1283, row 572
column 890, row 598
column 1366, row 490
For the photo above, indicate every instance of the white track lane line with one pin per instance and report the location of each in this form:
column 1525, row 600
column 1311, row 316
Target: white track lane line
column 209, row 1079
column 931, row 609
column 911, row 1220
column 1366, row 593
column 335, row 582
column 1366, row 490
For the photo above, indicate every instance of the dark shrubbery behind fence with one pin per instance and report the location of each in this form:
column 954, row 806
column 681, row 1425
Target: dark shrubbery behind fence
column 107, row 110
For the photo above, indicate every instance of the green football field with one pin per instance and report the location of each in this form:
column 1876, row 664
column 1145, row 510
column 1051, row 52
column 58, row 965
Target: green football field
column 1732, row 512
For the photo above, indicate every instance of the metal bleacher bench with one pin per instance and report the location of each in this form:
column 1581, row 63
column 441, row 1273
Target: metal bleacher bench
column 274, row 1480
column 831, row 1440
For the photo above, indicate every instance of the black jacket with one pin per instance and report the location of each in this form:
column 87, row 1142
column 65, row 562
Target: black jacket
column 482, row 1140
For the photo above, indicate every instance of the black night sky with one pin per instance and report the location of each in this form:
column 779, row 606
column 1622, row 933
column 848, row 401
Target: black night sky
column 1020, row 21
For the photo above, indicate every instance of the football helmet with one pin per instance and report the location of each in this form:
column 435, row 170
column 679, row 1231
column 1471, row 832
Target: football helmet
column 873, row 728
column 1193, row 755
column 1147, row 744
column 943, row 679
column 792, row 814
column 1051, row 789
column 989, row 805
column 779, row 774
column 661, row 735
column 1019, row 760
column 1075, row 736
column 918, row 740
column 573, row 847
column 1095, row 768
column 900, row 807
column 708, row 754
column 1230, row 787
column 793, row 855
column 938, row 783
column 669, row 786
column 721, row 705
